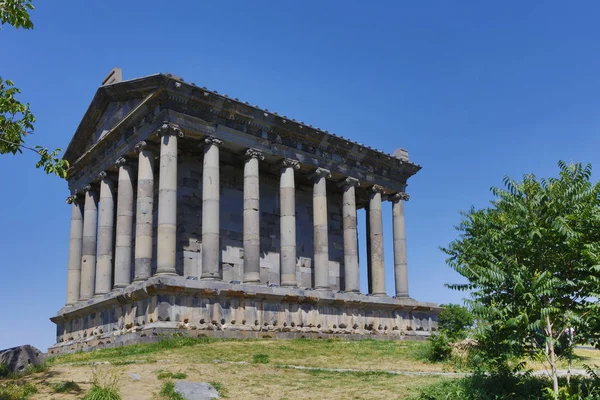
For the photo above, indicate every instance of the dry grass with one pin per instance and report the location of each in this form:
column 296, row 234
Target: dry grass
column 581, row 358
column 238, row 376
column 365, row 354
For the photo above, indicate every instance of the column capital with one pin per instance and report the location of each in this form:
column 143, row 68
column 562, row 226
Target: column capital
column 211, row 140
column 400, row 196
column 104, row 176
column 124, row 162
column 290, row 162
column 255, row 153
column 349, row 182
column 140, row 146
column 87, row 188
column 168, row 128
column 377, row 189
column 74, row 197
column 320, row 173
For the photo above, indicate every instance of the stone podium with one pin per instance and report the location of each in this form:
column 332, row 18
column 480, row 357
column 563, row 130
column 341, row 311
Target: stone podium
column 194, row 213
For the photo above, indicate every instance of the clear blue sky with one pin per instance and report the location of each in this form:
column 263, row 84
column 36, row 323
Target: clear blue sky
column 473, row 90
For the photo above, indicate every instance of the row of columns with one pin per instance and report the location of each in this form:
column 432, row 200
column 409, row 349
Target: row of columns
column 91, row 257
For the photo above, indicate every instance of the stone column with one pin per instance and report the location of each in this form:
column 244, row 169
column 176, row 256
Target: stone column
column 321, row 239
column 376, row 240
column 211, row 246
column 106, row 226
column 252, row 217
column 400, row 265
column 351, row 266
column 287, row 223
column 124, row 236
column 75, row 244
column 166, row 245
column 88, row 249
column 144, row 213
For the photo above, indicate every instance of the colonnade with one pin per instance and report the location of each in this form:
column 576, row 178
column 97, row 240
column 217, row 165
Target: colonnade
column 92, row 262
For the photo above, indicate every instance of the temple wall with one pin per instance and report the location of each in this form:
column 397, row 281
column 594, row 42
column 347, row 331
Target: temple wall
column 189, row 226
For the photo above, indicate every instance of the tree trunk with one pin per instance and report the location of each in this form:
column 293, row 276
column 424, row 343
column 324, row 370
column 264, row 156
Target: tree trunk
column 550, row 339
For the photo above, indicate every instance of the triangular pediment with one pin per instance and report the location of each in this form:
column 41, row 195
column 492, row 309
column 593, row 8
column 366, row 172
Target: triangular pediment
column 114, row 113
column 111, row 105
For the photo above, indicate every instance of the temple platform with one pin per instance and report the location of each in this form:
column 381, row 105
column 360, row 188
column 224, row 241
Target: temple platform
column 165, row 306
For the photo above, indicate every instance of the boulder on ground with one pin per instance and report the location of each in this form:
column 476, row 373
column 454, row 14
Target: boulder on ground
column 196, row 390
column 17, row 359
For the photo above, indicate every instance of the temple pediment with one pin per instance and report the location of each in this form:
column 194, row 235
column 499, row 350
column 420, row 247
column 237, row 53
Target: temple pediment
column 111, row 104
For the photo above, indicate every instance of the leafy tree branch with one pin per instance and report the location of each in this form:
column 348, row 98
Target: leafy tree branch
column 16, row 118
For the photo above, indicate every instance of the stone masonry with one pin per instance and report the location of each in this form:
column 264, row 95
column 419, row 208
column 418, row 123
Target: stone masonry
column 199, row 214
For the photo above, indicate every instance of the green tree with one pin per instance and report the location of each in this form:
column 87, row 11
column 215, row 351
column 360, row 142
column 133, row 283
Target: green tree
column 532, row 263
column 455, row 319
column 16, row 118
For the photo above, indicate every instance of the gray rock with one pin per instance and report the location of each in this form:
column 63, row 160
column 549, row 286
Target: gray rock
column 196, row 390
column 135, row 377
column 19, row 358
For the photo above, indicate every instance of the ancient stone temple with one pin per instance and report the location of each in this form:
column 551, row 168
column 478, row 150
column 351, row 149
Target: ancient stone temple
column 200, row 214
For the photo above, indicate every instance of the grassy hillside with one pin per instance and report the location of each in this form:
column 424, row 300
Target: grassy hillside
column 249, row 369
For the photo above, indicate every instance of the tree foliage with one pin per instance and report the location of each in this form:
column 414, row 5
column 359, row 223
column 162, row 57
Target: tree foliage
column 532, row 263
column 16, row 118
column 455, row 319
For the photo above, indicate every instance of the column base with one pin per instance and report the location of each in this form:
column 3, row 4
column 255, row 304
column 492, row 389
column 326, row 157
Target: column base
column 379, row 295
column 210, row 278
column 166, row 273
column 252, row 277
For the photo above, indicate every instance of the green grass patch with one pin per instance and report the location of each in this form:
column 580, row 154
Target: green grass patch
column 65, row 387
column 219, row 388
column 495, row 387
column 31, row 369
column 161, row 374
column 16, row 390
column 102, row 393
column 132, row 351
column 168, row 391
column 105, row 384
column 260, row 358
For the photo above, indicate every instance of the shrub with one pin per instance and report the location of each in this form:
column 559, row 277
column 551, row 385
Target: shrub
column 507, row 386
column 455, row 320
column 438, row 348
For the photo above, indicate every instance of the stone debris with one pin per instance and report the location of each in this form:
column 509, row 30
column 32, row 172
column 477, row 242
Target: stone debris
column 17, row 359
column 135, row 377
column 196, row 390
